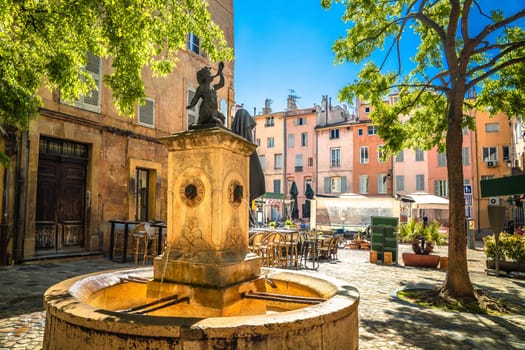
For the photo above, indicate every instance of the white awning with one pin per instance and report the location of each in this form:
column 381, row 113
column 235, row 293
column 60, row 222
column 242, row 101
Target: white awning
column 425, row 200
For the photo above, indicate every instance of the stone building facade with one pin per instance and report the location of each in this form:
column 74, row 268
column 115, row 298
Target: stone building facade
column 79, row 166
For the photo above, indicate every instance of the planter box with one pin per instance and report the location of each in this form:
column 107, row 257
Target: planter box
column 506, row 266
column 418, row 260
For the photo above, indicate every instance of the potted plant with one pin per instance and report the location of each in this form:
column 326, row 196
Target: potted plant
column 511, row 252
column 422, row 237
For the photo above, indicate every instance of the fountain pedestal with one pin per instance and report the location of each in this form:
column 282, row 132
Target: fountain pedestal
column 207, row 237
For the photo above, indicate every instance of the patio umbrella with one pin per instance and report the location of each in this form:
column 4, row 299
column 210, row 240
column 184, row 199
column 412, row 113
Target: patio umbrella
column 309, row 194
column 293, row 195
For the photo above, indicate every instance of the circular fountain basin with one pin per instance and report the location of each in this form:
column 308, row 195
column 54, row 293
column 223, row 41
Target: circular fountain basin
column 86, row 312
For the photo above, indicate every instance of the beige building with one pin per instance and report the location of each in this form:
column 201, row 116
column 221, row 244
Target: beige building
column 81, row 165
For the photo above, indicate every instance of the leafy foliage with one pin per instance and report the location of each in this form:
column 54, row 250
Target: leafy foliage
column 416, row 230
column 461, row 46
column 510, row 247
column 44, row 43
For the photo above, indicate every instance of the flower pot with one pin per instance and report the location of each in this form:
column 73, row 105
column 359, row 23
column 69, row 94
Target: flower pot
column 443, row 263
column 506, row 266
column 419, row 260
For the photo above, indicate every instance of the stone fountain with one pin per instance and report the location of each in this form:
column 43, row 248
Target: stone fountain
column 207, row 291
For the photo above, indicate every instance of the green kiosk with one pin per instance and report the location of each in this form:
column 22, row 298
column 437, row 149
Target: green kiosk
column 384, row 236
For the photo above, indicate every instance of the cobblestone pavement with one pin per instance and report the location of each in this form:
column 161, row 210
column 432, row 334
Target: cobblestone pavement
column 385, row 322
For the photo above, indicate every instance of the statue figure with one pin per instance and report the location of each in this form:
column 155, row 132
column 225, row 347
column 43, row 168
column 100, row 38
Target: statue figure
column 209, row 115
column 243, row 125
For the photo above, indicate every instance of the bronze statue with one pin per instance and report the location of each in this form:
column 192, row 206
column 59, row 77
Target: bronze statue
column 243, row 125
column 209, row 115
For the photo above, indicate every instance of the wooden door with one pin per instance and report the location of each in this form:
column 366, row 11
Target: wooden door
column 60, row 208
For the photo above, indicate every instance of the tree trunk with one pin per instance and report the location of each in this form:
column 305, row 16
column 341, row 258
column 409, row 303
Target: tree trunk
column 457, row 282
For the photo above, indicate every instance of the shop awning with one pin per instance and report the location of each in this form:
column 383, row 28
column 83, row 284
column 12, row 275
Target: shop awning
column 503, row 186
column 425, row 200
column 272, row 195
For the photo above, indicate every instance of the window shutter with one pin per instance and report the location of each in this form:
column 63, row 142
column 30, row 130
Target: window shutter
column 192, row 113
column 343, row 184
column 93, row 67
column 327, row 185
column 147, row 113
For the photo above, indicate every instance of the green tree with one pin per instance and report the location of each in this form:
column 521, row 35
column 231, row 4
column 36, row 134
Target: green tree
column 44, row 43
column 454, row 46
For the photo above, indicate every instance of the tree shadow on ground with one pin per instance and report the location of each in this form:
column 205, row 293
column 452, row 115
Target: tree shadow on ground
column 432, row 329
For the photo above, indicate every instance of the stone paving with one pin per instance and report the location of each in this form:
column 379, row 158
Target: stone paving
column 385, row 322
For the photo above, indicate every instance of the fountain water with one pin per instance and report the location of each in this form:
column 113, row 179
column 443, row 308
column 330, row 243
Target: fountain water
column 207, row 291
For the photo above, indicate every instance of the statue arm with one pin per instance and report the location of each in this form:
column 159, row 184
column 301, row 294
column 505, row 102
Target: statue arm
column 195, row 99
column 220, row 84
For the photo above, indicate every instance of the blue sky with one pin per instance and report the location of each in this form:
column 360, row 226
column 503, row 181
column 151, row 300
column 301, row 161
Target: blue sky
column 287, row 44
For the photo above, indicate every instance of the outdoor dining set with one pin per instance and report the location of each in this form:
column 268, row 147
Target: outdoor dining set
column 293, row 248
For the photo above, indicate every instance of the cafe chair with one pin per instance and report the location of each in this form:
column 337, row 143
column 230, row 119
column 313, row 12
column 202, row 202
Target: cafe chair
column 138, row 235
column 118, row 246
column 150, row 243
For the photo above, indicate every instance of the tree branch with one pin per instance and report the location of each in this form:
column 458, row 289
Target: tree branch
column 495, row 69
column 491, row 28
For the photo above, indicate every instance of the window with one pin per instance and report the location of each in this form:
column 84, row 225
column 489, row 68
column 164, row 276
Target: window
column 298, row 162
column 363, row 184
column 381, row 183
column 335, row 184
column 278, row 161
column 400, row 157
column 367, row 109
column 506, row 154
column 487, row 177
column 277, row 186
column 91, row 101
column 420, row 155
column 224, row 111
column 269, row 121
column 334, row 134
column 491, row 127
column 464, row 130
column 442, row 159
column 335, row 157
column 360, row 132
column 420, row 182
column 258, row 142
column 147, row 113
column 192, row 114
column 372, row 130
column 270, row 142
column 363, row 154
column 262, row 160
column 465, row 154
column 400, row 182
column 194, row 44
column 142, row 191
column 291, row 140
column 441, row 188
column 304, row 139
column 489, row 154
column 307, row 182
column 300, row 121
column 310, row 162
column 380, row 152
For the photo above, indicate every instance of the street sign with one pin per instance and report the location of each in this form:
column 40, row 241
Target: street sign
column 468, row 200
column 467, row 189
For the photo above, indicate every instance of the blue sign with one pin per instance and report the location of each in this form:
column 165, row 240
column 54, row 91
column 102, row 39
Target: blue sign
column 467, row 189
column 468, row 200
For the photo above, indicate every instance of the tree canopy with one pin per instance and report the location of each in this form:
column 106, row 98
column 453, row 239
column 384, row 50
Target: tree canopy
column 45, row 43
column 454, row 46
